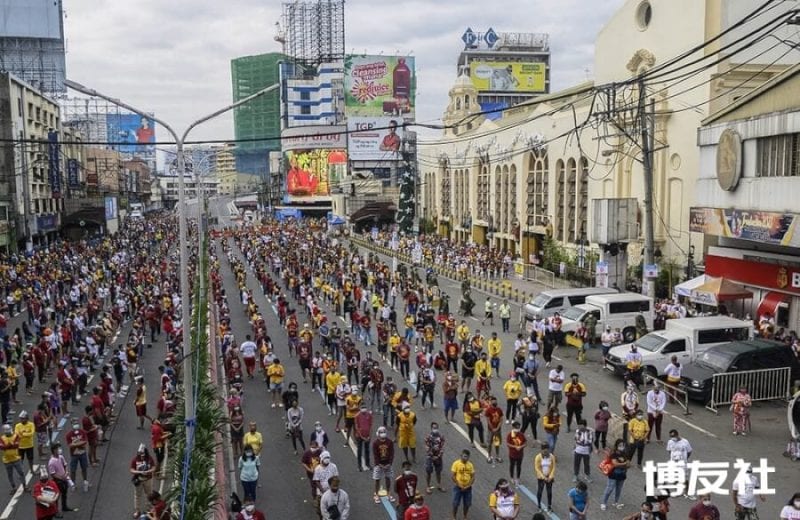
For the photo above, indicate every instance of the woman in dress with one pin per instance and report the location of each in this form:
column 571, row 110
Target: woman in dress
column 740, row 406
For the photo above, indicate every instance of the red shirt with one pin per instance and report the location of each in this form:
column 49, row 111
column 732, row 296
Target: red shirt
column 255, row 515
column 417, row 513
column 77, row 436
column 406, row 487
column 50, row 489
column 89, row 427
column 157, row 435
column 494, row 417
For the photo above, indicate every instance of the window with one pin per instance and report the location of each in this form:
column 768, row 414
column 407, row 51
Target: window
column 305, row 95
column 644, row 15
column 723, row 335
column 3, row 213
column 305, row 110
column 778, row 156
column 632, row 306
column 679, row 345
column 555, row 302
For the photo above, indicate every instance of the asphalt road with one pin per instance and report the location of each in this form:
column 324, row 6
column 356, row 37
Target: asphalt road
column 284, row 488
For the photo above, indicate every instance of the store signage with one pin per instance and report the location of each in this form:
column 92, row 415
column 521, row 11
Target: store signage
column 758, row 274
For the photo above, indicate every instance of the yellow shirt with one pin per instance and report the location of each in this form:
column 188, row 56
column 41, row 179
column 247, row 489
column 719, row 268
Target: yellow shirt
column 254, row 440
column 463, row 332
column 275, row 373
column 483, row 368
column 463, row 473
column 637, row 429
column 394, row 341
column 12, row 374
column 494, row 345
column 25, row 433
column 141, row 397
column 474, row 409
column 512, row 389
column 405, row 423
column 331, row 381
column 10, row 455
column 504, row 504
column 353, row 402
column 409, row 321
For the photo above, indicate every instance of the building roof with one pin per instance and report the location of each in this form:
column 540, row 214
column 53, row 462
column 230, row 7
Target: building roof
column 771, row 84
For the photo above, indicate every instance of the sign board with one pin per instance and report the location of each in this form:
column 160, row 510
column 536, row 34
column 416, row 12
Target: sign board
column 757, row 226
column 376, row 86
column 651, row 271
column 601, row 272
column 314, row 137
column 508, row 76
column 374, row 138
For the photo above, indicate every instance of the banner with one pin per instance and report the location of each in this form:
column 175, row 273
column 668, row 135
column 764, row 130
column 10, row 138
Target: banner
column 759, row 226
column 73, row 173
column 54, row 164
column 111, row 208
column 374, row 139
column 376, row 86
column 508, row 76
column 131, row 132
column 311, row 172
column 313, row 138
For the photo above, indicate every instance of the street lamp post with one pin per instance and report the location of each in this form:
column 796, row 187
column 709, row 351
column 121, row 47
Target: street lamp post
column 182, row 224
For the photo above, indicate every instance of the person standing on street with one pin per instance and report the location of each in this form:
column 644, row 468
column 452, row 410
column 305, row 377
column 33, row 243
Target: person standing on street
column 513, row 391
column 334, row 503
column 57, row 467
column 679, row 451
column 78, row 442
column 552, row 424
column 141, row 401
column 544, row 466
column 254, row 439
column 704, row 509
column 638, row 430
column 616, row 478
column 405, row 433
column 9, row 444
column 578, row 501
column 744, row 496
column 555, row 386
column 434, row 449
column 656, row 403
column 46, row 493
column 503, row 502
column 741, row 402
column 584, row 437
column 142, row 468
column 462, row 473
column 323, row 474
column 383, row 457
column 516, row 442
column 363, row 432
column 26, row 433
column 505, row 315
column 574, row 391
column 418, row 510
column 495, row 348
column 405, row 486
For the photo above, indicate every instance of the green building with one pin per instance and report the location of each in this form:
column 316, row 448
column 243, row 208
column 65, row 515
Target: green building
column 259, row 118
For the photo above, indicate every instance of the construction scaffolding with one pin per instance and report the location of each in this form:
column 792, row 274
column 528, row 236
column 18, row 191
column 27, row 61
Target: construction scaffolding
column 314, row 31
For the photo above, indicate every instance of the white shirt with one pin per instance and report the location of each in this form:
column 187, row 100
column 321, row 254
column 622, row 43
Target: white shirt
column 672, row 371
column 322, row 473
column 656, row 401
column 790, row 513
column 679, row 450
column 607, row 338
column 340, row 499
column 248, row 349
column 558, row 385
column 745, row 491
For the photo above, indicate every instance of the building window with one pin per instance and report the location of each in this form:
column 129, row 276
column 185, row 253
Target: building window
column 778, row 156
column 305, row 95
column 644, row 15
column 305, row 110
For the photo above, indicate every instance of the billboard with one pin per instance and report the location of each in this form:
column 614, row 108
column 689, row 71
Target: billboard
column 374, row 138
column 310, row 173
column 313, row 137
column 131, row 131
column 376, row 86
column 30, row 19
column 759, row 226
column 111, row 208
column 508, row 76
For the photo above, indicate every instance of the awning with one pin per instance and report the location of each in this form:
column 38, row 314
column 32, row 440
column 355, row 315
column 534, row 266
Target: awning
column 374, row 210
column 685, row 288
column 770, row 302
column 718, row 290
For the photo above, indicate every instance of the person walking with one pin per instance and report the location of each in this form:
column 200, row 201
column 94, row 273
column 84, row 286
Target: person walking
column 791, row 511
column 434, row 449
column 462, row 472
column 656, row 403
column 578, row 501
column 57, row 467
column 616, row 477
column 140, row 403
column 9, row 444
column 334, row 504
column 741, row 402
column 504, row 311
column 544, row 466
column 584, row 437
column 516, row 442
column 249, row 469
column 254, row 439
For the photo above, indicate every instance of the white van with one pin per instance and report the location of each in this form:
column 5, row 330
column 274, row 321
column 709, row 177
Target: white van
column 685, row 337
column 547, row 303
column 614, row 310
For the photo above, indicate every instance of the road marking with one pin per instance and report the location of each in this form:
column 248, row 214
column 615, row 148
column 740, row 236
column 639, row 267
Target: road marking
column 387, row 505
column 687, row 423
column 61, row 424
column 12, row 504
column 528, row 493
column 464, row 434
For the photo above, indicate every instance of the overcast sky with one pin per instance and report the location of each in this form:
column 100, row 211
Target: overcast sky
column 172, row 57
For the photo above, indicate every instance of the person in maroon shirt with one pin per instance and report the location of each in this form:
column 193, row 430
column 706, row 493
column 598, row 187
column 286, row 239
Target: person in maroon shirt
column 92, row 430
column 310, row 461
column 249, row 512
column 142, row 468
column 158, row 507
column 405, row 486
column 46, row 494
column 383, row 457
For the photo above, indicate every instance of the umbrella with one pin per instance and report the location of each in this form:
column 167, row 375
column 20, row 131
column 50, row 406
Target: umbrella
column 718, row 290
column 685, row 288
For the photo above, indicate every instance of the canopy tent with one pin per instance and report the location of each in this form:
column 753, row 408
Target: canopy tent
column 718, row 290
column 284, row 213
column 336, row 220
column 685, row 288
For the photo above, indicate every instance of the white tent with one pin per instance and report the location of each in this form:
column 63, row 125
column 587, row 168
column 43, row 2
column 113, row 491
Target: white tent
column 685, row 288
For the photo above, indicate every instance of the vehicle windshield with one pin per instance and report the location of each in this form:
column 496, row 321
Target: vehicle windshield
column 540, row 300
column 574, row 313
column 650, row 342
column 715, row 359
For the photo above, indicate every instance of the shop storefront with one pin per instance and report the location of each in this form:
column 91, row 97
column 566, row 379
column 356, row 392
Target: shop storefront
column 775, row 286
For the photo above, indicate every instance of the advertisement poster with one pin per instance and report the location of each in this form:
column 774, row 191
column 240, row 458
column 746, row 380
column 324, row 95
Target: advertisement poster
column 508, row 76
column 311, row 172
column 374, row 139
column 376, row 86
column 759, row 226
column 111, row 208
column 131, row 131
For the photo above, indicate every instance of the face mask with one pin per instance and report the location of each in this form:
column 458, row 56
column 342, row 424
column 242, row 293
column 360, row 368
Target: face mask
column 640, row 417
column 59, row 451
column 407, row 472
column 514, row 431
column 706, row 503
column 434, row 431
column 797, row 504
column 249, row 508
column 248, row 453
column 382, row 435
column 76, row 427
column 325, row 462
column 605, row 408
column 318, row 428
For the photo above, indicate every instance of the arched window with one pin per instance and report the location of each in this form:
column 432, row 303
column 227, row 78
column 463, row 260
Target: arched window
column 466, row 102
column 559, row 234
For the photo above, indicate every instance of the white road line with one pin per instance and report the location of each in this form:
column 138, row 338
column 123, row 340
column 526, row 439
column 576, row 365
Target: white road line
column 693, row 426
column 12, row 504
column 464, row 434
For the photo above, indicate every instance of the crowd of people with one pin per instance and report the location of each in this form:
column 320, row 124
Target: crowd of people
column 388, row 363
column 74, row 300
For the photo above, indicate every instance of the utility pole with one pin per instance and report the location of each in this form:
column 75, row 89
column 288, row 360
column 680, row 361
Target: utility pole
column 647, row 123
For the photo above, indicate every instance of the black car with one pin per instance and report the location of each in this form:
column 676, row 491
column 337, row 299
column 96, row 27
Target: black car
column 739, row 356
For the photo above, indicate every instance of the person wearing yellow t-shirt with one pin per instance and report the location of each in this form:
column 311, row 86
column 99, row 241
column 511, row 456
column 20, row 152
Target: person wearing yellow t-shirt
column 352, row 404
column 394, row 342
column 462, row 333
column 331, row 382
column 494, row 347
column 462, row 473
column 9, row 443
column 483, row 371
column 253, row 439
column 25, row 431
column 513, row 391
column 404, row 431
column 275, row 374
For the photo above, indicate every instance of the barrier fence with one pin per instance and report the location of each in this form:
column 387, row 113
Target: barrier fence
column 769, row 384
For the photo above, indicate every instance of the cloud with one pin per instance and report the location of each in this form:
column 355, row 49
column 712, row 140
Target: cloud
column 173, row 57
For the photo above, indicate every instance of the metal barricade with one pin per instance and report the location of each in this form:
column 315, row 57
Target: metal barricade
column 763, row 385
column 676, row 394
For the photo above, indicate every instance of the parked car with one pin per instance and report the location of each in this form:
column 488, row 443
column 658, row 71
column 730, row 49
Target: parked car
column 617, row 310
column 685, row 337
column 552, row 301
column 697, row 376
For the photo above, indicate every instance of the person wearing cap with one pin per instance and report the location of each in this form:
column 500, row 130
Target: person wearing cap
column 417, row 510
column 45, row 495
column 78, row 442
column 26, row 433
column 142, row 467
column 9, row 444
column 322, row 477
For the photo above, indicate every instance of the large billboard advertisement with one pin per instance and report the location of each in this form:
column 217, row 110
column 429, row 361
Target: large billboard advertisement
column 30, row 19
column 758, row 226
column 313, row 137
column 131, row 131
column 376, row 86
column 374, row 138
column 508, row 76
column 311, row 173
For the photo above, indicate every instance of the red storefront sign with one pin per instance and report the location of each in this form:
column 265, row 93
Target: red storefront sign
column 758, row 274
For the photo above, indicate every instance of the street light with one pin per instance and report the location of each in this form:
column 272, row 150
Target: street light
column 182, row 231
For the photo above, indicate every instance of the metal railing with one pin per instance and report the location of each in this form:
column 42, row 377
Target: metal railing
column 676, row 394
column 763, row 385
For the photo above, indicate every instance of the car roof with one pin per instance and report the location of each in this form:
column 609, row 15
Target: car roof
column 618, row 297
column 708, row 321
column 751, row 345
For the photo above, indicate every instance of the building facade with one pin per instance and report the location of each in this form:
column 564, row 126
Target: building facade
column 192, row 189
column 534, row 171
column 745, row 204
